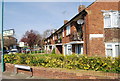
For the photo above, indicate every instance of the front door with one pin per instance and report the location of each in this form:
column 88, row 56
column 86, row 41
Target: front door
column 79, row 49
column 68, row 49
column 65, row 49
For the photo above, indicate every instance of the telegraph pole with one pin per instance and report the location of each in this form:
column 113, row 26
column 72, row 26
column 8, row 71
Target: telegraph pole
column 2, row 40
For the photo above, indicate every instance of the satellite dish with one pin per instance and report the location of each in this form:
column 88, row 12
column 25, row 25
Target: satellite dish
column 80, row 21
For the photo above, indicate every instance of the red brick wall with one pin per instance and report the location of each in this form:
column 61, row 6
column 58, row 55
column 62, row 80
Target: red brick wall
column 85, row 38
column 9, row 67
column 112, row 34
column 52, row 41
column 66, row 39
column 57, row 73
column 97, row 47
column 94, row 25
column 48, row 73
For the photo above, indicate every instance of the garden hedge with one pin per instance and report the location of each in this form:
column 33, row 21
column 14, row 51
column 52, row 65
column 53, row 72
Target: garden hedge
column 107, row 64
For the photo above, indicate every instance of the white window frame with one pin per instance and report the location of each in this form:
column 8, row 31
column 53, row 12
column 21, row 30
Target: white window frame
column 67, row 49
column 63, row 33
column 76, row 49
column 48, row 40
column 53, row 37
column 106, row 16
column 113, row 15
column 112, row 47
column 67, row 30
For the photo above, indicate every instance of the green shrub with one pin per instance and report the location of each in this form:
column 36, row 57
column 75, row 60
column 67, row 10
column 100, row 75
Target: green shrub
column 53, row 51
column 71, row 62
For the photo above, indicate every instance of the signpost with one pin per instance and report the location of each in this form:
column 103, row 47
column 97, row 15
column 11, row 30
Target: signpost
column 2, row 42
column 3, row 33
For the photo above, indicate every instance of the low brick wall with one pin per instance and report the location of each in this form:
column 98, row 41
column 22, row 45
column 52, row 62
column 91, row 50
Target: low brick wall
column 55, row 73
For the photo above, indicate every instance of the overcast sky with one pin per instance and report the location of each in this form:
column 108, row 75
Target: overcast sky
column 40, row 16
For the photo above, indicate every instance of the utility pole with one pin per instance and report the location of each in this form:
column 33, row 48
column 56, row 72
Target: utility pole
column 2, row 40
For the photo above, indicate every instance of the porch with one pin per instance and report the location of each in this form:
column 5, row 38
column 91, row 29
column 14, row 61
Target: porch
column 75, row 47
column 59, row 49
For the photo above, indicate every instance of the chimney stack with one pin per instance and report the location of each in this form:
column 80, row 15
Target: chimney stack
column 80, row 8
column 65, row 21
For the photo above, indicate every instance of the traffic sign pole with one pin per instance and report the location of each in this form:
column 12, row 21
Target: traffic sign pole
column 2, row 40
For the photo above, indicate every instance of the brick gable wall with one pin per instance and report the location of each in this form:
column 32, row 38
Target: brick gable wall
column 95, row 25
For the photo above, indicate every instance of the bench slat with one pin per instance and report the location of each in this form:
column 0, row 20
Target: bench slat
column 22, row 67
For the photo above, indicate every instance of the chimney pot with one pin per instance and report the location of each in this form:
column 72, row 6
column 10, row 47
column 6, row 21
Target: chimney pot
column 80, row 8
column 65, row 21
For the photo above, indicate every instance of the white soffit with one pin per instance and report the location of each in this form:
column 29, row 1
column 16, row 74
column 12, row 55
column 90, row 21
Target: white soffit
column 77, row 42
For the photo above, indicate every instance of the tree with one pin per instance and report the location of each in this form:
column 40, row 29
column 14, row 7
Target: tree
column 10, row 41
column 32, row 38
column 48, row 32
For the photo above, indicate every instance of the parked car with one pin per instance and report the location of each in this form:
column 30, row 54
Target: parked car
column 28, row 50
column 13, row 51
column 23, row 50
column 6, row 51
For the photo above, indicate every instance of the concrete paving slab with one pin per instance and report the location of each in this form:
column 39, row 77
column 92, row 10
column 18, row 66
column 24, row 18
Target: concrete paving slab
column 9, row 75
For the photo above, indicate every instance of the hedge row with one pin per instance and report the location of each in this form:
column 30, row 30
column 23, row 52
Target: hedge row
column 71, row 62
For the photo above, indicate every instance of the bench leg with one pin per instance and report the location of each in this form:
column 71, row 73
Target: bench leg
column 31, row 72
column 15, row 70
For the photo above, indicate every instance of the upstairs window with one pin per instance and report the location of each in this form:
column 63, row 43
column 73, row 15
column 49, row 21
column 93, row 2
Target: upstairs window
column 111, row 19
column 114, row 19
column 107, row 21
column 67, row 30
column 59, row 36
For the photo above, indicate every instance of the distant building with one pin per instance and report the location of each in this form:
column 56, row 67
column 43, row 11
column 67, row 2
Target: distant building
column 9, row 40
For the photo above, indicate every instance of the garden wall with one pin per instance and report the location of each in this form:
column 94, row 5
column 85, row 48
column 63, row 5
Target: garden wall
column 57, row 73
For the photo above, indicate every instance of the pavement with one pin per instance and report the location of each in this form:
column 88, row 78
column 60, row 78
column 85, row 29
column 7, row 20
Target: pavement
column 9, row 75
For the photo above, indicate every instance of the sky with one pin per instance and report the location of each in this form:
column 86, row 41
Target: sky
column 39, row 16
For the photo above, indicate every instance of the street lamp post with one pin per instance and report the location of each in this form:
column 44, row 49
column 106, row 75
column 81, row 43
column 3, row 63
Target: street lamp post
column 2, row 40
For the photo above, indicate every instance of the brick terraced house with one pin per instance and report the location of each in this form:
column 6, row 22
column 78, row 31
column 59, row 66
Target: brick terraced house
column 94, row 31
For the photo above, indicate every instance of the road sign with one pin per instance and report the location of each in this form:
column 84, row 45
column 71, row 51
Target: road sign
column 8, row 32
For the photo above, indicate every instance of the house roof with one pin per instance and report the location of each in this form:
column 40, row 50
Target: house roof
column 73, row 19
column 83, row 11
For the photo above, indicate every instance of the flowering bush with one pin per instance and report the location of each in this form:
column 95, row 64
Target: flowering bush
column 106, row 64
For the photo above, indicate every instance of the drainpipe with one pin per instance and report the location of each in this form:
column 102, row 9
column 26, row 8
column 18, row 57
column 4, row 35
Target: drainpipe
column 86, row 37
